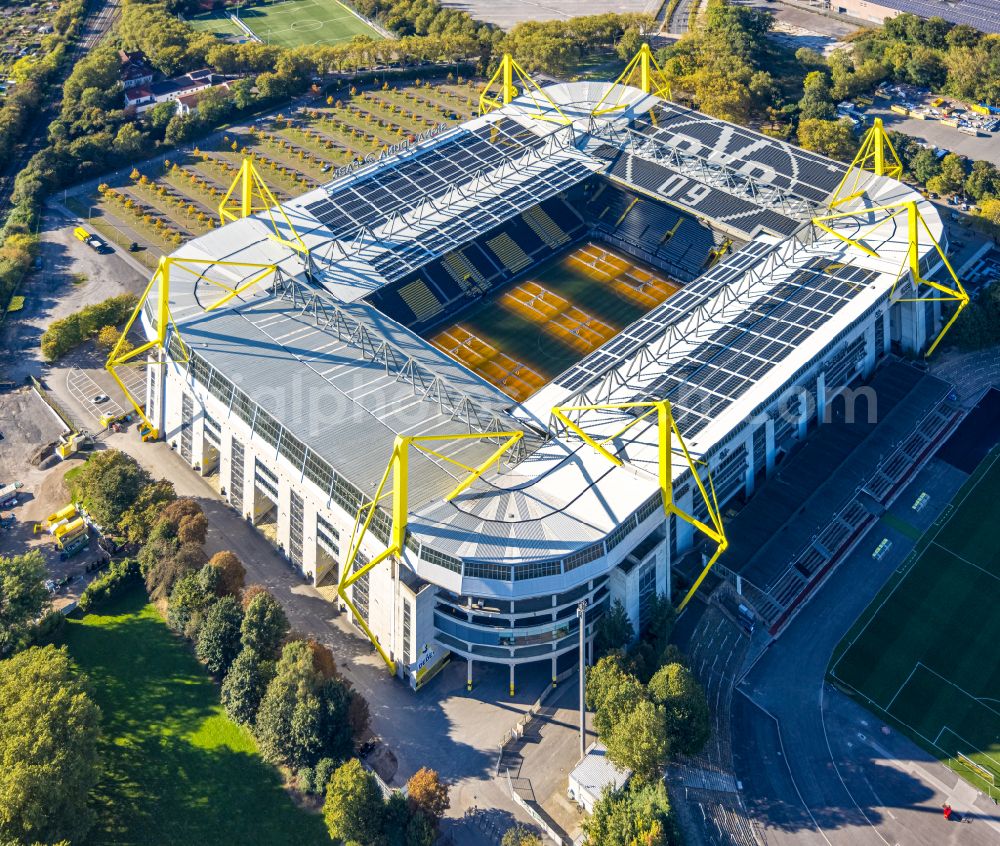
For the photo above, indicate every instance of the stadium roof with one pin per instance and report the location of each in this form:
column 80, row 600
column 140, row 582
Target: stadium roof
column 984, row 15
column 342, row 379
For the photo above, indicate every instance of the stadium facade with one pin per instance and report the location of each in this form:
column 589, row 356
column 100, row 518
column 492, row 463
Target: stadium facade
column 296, row 388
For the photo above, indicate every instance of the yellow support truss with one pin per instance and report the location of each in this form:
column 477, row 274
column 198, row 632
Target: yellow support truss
column 252, row 196
column 666, row 429
column 652, row 80
column 915, row 225
column 398, row 469
column 876, row 155
column 121, row 355
column 505, row 75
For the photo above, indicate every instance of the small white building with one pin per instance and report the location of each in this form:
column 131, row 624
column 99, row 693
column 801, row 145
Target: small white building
column 593, row 776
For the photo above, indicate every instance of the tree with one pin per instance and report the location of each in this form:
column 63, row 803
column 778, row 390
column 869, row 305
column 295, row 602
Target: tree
column 637, row 741
column 187, row 605
column 245, row 685
column 951, row 179
column 428, row 795
column 22, row 598
column 984, row 181
column 611, row 693
column 108, row 484
column 288, row 727
column 686, row 716
column 353, row 806
column 48, row 745
column 264, row 626
column 129, row 140
column 637, row 813
column 614, row 630
column 990, row 210
column 185, row 520
column 834, row 138
column 520, row 835
column 219, row 638
column 925, row 165
column 816, row 102
column 165, row 563
column 926, row 68
column 107, row 337
column 138, row 521
column 232, row 573
column 303, row 716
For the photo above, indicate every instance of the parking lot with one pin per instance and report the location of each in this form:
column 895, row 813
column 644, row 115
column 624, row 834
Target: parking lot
column 924, row 122
column 91, row 397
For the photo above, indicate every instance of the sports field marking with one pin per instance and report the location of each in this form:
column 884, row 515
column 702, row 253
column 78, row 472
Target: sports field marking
column 950, row 730
column 921, row 665
column 964, row 559
column 907, row 564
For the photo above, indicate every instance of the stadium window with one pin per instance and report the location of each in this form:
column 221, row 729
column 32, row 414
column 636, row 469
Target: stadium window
column 266, row 427
column 649, row 507
column 318, row 472
column 221, row 388
column 432, row 556
column 487, row 570
column 536, row 570
column 243, row 407
column 292, row 449
column 622, row 532
column 584, row 556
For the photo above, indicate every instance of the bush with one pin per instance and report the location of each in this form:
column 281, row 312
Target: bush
column 325, row 768
column 63, row 335
column 119, row 577
column 305, row 778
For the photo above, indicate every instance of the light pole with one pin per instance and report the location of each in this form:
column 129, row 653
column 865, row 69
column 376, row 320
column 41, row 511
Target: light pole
column 581, row 613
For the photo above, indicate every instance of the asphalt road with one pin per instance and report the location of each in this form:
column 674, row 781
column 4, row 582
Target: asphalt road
column 816, row 768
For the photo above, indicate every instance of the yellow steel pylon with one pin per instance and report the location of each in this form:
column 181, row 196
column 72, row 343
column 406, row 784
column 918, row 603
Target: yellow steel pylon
column 666, row 429
column 911, row 262
column 399, row 469
column 121, row 356
column 505, row 74
column 251, row 196
column 876, row 155
column 652, row 80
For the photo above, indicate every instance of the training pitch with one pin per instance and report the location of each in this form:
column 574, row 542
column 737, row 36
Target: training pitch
column 290, row 23
column 531, row 330
column 923, row 654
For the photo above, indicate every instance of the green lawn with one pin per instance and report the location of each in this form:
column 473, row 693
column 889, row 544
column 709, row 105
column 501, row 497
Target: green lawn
column 923, row 655
column 291, row 23
column 177, row 770
column 217, row 23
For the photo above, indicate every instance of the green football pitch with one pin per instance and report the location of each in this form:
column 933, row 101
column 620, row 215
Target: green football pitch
column 923, row 655
column 290, row 23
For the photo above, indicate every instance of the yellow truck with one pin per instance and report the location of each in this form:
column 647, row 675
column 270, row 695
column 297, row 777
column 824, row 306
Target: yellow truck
column 93, row 241
column 70, row 531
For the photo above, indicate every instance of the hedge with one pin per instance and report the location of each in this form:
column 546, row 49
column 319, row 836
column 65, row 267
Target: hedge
column 63, row 335
column 120, row 576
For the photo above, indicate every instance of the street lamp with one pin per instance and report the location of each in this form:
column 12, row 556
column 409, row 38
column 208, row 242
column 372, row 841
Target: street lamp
column 581, row 613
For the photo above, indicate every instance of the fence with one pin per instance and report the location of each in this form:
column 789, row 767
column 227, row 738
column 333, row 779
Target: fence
column 526, row 806
column 517, row 731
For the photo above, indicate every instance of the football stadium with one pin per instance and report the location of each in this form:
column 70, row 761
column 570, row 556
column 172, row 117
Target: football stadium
column 522, row 364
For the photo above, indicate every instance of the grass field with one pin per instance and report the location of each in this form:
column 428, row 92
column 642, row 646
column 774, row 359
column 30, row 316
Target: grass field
column 536, row 327
column 923, row 654
column 290, row 23
column 176, row 769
